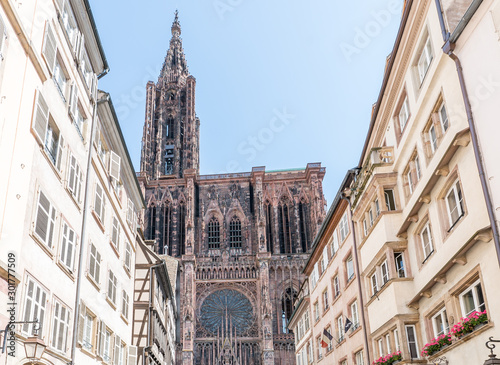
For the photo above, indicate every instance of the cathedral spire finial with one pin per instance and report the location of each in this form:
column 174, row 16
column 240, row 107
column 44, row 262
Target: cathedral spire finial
column 176, row 26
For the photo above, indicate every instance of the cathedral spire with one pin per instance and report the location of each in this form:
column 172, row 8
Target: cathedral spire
column 175, row 64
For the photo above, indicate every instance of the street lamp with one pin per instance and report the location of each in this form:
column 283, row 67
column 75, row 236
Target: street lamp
column 34, row 348
column 492, row 357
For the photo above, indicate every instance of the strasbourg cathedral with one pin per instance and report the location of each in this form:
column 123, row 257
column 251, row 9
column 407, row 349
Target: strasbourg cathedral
column 242, row 239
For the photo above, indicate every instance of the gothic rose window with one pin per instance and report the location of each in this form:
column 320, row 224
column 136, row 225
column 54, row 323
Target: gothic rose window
column 213, row 233
column 235, row 233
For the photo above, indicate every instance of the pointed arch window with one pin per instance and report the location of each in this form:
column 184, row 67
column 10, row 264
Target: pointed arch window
column 269, row 227
column 303, row 226
column 287, row 300
column 284, row 228
column 165, row 246
column 152, row 223
column 213, row 233
column 169, row 127
column 235, row 233
column 182, row 229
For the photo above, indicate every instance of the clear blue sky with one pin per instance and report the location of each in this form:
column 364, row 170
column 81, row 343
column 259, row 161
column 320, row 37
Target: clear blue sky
column 280, row 83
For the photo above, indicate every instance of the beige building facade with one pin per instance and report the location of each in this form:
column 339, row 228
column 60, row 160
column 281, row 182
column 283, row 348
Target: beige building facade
column 69, row 192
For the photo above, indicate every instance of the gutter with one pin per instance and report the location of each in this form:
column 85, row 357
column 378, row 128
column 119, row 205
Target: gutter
column 97, row 38
column 83, row 234
column 448, row 48
column 388, row 70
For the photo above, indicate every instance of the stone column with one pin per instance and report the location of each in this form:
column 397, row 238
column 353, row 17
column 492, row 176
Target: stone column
column 188, row 311
column 266, row 310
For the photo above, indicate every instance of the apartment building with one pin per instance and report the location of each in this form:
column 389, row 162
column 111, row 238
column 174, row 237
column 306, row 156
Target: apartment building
column 427, row 254
column 69, row 191
column 155, row 306
column 328, row 320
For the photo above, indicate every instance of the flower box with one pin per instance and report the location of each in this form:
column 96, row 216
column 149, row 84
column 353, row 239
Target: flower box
column 389, row 359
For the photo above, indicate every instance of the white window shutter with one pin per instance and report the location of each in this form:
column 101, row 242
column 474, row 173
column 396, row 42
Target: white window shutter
column 60, row 149
column 132, row 355
column 81, row 322
column 80, row 47
column 114, row 166
column 40, row 117
column 73, row 101
column 102, row 331
column 49, row 50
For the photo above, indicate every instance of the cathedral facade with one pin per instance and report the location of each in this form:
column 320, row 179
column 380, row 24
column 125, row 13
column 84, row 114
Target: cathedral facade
column 242, row 239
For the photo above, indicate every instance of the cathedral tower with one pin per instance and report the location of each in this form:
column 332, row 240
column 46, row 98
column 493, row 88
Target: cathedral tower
column 242, row 239
column 170, row 142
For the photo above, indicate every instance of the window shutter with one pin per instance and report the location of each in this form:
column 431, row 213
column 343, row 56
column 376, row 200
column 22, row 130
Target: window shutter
column 2, row 36
column 81, row 322
column 118, row 343
column 49, row 50
column 40, row 117
column 73, row 101
column 114, row 166
column 132, row 355
column 80, row 48
column 60, row 148
column 72, row 175
column 102, row 331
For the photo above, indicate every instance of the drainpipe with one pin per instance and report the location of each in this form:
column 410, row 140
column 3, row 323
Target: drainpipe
column 150, row 308
column 355, row 171
column 448, row 49
column 83, row 232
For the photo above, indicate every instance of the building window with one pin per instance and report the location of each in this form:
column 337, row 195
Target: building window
column 310, row 356
column 100, row 202
column 377, row 207
column 432, row 138
column 289, row 297
column 68, row 244
column 306, row 321
column 169, row 161
column 115, row 233
column 75, row 179
column 128, row 256
column 385, row 272
column 125, row 301
column 390, row 202
column 340, row 328
column 472, row 299
column 388, row 343
column 88, row 331
column 354, row 314
column 374, row 284
column 320, row 354
column 34, row 306
column 60, row 327
column 404, row 114
column 344, row 227
column 213, row 233
column 365, row 227
column 443, row 118
column 330, row 343
column 440, row 323
column 400, row 266
column 54, row 144
column 316, row 311
column 284, row 228
column 106, row 344
column 412, row 174
column 269, row 227
column 303, row 226
column 349, row 268
column 411, row 340
column 380, row 344
column 396, row 339
column 182, row 231
column 112, row 285
column 426, row 239
column 235, row 233
column 325, row 300
column 454, row 204
column 336, row 286
column 370, row 215
column 314, row 276
column 152, row 222
column 45, row 220
column 94, row 263
column 424, row 60
column 60, row 79
column 359, row 358
column 119, row 353
column 334, row 246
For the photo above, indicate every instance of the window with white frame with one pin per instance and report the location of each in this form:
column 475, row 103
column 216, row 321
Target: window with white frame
column 443, row 118
column 310, row 354
column 374, row 283
column 326, row 305
column 454, row 204
column 396, row 339
column 384, row 270
column 94, row 263
column 349, row 268
column 404, row 114
column 128, row 256
column 69, row 25
column 60, row 78
column 424, row 60
column 380, row 344
column 390, row 202
column 35, row 304
column 54, row 144
column 125, row 302
column 320, row 353
column 365, row 227
column 377, row 207
column 388, row 343
column 68, row 245
column 316, row 311
column 344, row 227
column 330, row 343
column 354, row 315
column 75, row 178
column 45, row 221
column 411, row 341
column 100, row 202
column 102, row 149
column 472, row 299
column 412, row 173
column 440, row 323
column 433, row 140
column 334, row 247
column 340, row 328
column 306, row 321
column 119, row 354
column 359, row 358
column 106, row 345
column 131, row 216
column 426, row 239
column 60, row 327
column 88, row 331
column 112, row 285
column 314, row 276
column 400, row 265
column 336, row 286
column 115, row 233
column 370, row 215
